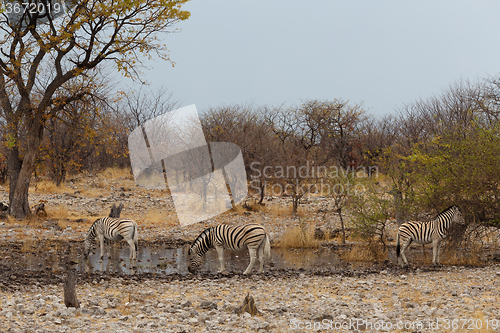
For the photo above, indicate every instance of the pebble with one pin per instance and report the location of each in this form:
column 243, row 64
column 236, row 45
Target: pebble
column 285, row 303
column 204, row 305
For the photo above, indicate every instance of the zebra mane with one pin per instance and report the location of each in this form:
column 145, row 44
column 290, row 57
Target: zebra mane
column 203, row 239
column 91, row 234
column 447, row 209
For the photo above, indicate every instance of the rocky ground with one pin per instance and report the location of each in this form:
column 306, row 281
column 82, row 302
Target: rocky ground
column 341, row 298
column 449, row 299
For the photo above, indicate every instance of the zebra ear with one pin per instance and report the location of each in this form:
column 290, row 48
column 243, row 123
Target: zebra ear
column 115, row 211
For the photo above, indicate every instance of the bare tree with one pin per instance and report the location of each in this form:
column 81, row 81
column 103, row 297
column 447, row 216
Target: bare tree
column 144, row 104
column 245, row 127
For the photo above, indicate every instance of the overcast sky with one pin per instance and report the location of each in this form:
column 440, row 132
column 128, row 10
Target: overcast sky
column 379, row 53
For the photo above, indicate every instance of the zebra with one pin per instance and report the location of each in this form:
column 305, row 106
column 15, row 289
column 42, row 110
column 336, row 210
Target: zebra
column 113, row 229
column 433, row 231
column 236, row 238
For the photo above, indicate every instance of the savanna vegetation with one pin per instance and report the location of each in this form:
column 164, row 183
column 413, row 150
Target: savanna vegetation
column 53, row 88
column 430, row 154
column 59, row 116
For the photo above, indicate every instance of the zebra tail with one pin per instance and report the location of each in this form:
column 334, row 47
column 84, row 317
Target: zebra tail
column 398, row 248
column 134, row 237
column 267, row 248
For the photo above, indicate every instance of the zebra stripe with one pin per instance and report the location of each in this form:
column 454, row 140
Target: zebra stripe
column 113, row 229
column 236, row 238
column 433, row 231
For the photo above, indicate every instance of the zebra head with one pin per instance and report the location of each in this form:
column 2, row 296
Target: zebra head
column 86, row 248
column 198, row 248
column 89, row 238
column 457, row 216
column 194, row 258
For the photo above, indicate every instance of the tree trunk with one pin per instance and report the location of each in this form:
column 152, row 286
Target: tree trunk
column 70, row 299
column 262, row 190
column 342, row 225
column 295, row 205
column 398, row 205
column 14, row 167
column 59, row 172
column 20, row 172
column 19, row 205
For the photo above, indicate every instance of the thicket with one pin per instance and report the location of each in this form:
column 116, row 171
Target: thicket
column 429, row 155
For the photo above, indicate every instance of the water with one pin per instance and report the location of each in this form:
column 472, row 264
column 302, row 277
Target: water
column 152, row 258
column 158, row 259
column 175, row 261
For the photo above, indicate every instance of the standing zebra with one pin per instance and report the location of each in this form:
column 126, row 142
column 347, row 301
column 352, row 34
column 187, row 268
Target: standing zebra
column 113, row 229
column 236, row 238
column 433, row 231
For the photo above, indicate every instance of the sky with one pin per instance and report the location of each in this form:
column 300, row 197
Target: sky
column 383, row 54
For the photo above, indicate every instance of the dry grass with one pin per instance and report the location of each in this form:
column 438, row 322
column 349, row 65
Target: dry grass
column 117, row 173
column 159, row 217
column 152, row 181
column 452, row 257
column 364, row 252
column 100, row 184
column 449, row 256
column 29, row 245
column 283, row 210
column 237, row 209
column 279, row 210
column 48, row 187
column 155, row 218
column 58, row 212
column 61, row 214
column 300, row 236
column 252, row 205
column 31, row 220
column 480, row 320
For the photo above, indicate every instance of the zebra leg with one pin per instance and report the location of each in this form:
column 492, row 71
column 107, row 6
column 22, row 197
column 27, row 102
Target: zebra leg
column 438, row 253
column 109, row 247
column 101, row 240
column 261, row 256
column 220, row 253
column 133, row 254
column 436, row 246
column 403, row 248
column 253, row 258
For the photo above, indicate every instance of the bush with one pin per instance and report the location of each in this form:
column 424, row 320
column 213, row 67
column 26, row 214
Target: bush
column 371, row 209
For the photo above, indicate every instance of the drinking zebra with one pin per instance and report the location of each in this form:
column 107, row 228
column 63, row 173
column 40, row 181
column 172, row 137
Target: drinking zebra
column 113, row 229
column 236, row 238
column 433, row 231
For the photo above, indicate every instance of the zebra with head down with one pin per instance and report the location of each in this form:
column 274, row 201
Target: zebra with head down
column 113, row 229
column 236, row 238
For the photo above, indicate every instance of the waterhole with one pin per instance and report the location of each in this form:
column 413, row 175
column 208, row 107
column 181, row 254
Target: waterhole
column 158, row 259
column 175, row 260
